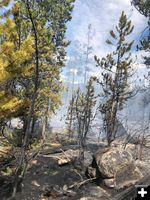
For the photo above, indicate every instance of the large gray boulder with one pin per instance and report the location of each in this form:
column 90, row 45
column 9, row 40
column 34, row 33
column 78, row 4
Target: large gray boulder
column 112, row 161
column 144, row 167
column 117, row 167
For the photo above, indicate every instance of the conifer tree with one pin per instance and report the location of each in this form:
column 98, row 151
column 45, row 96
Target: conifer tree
column 144, row 8
column 4, row 3
column 116, row 70
column 80, row 112
column 46, row 22
column 70, row 119
column 81, row 115
column 13, row 66
column 32, row 37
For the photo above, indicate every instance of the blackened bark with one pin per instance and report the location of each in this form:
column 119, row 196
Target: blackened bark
column 20, row 171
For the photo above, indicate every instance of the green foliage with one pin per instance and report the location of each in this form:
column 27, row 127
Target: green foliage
column 116, row 70
column 4, row 3
column 143, row 6
column 20, row 50
column 13, row 65
column 50, row 18
column 32, row 53
column 70, row 119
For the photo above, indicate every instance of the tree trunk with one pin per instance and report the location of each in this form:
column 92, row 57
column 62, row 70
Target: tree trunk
column 20, row 171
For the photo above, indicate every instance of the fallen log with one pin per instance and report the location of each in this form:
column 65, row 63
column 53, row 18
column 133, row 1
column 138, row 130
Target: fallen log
column 68, row 156
column 52, row 150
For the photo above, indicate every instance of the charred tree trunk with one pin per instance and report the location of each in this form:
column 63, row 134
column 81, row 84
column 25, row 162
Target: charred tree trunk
column 21, row 169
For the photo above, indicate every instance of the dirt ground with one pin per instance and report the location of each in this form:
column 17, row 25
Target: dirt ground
column 46, row 180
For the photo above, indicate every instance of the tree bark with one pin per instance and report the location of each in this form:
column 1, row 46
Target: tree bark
column 21, row 169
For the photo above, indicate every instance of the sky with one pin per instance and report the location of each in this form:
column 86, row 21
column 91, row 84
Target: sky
column 103, row 16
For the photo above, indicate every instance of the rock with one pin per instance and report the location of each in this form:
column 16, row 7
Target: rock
column 96, row 191
column 131, row 148
column 117, row 167
column 143, row 166
column 91, row 172
column 110, row 183
column 88, row 157
column 127, row 176
column 112, row 161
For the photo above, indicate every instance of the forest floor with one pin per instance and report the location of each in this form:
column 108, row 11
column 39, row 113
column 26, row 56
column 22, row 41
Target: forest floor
column 46, row 180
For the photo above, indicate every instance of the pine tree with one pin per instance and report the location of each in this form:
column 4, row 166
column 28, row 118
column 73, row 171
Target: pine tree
column 46, row 22
column 144, row 8
column 81, row 115
column 70, row 119
column 4, row 3
column 116, row 70
column 13, row 66
column 80, row 112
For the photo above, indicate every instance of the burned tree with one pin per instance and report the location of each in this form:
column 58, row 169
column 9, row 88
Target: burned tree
column 84, row 104
column 81, row 112
column 71, row 117
column 116, row 71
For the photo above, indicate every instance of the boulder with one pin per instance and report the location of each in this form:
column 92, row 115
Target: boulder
column 143, row 166
column 88, row 157
column 117, row 167
column 131, row 148
column 127, row 176
column 112, row 161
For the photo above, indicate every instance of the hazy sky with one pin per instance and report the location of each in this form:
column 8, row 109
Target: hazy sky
column 103, row 15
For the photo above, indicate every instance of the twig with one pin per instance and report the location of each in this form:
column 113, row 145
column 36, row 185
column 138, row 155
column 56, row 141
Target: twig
column 51, row 156
column 79, row 184
column 78, row 173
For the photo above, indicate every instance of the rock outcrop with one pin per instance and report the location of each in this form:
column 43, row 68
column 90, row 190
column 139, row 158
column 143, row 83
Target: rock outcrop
column 117, row 167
